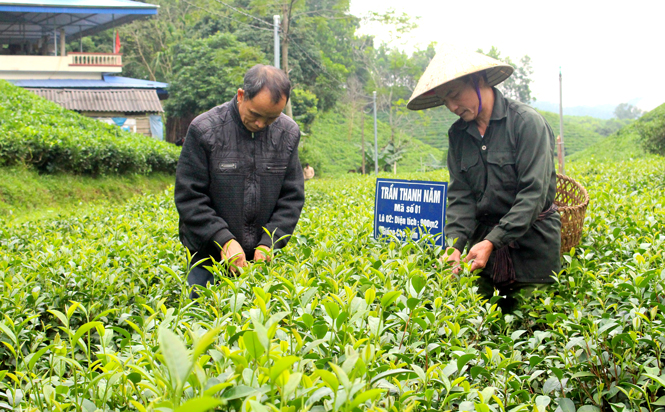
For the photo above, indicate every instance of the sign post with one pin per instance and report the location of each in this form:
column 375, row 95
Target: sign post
column 562, row 153
column 410, row 207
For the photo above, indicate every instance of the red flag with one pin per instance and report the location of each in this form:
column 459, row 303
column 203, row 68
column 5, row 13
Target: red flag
column 117, row 42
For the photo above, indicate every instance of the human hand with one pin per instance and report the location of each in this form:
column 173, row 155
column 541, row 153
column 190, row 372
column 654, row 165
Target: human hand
column 452, row 258
column 480, row 254
column 262, row 253
column 233, row 253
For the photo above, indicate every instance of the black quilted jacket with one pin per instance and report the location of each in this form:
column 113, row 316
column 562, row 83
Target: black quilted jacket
column 231, row 183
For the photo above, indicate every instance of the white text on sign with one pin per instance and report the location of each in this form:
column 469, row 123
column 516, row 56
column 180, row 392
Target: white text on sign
column 411, row 195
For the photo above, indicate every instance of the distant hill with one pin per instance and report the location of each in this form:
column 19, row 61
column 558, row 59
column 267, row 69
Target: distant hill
column 333, row 146
column 624, row 144
column 334, row 142
column 579, row 132
column 582, row 132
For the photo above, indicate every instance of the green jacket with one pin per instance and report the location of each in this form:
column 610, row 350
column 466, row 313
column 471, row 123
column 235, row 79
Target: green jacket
column 500, row 183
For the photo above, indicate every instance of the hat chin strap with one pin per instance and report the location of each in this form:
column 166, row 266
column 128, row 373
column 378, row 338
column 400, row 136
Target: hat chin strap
column 480, row 99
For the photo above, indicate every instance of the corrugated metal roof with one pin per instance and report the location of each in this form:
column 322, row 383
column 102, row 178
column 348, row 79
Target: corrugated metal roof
column 125, row 100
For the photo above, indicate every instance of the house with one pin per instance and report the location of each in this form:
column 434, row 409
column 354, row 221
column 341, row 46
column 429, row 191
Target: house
column 33, row 35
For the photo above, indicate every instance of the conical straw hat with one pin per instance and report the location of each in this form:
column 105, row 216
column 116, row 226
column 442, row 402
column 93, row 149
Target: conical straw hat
column 450, row 63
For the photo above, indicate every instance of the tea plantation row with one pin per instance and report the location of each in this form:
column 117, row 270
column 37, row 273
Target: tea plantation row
column 95, row 315
column 35, row 131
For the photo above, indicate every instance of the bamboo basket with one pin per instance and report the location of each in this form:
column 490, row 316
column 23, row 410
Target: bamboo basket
column 572, row 200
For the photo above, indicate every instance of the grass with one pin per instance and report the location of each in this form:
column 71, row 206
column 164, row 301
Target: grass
column 27, row 195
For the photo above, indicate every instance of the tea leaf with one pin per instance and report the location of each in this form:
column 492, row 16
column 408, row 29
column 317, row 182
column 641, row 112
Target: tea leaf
column 237, row 392
column 175, row 355
column 202, row 404
column 281, row 365
column 329, row 379
column 253, row 344
column 388, row 373
column 566, row 405
column 389, row 298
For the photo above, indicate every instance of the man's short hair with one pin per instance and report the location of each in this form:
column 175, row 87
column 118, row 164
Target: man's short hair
column 261, row 76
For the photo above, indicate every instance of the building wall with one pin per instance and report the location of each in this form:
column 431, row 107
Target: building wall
column 49, row 67
column 143, row 125
column 141, row 120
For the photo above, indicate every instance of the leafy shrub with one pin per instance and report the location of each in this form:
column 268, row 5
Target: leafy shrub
column 38, row 132
column 96, row 315
column 651, row 128
column 304, row 108
column 310, row 155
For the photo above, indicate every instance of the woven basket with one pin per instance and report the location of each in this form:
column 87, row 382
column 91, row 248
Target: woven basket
column 572, row 199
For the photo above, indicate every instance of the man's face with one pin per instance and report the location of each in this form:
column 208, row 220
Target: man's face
column 258, row 113
column 461, row 99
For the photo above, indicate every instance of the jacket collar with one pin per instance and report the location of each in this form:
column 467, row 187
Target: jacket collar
column 498, row 111
column 500, row 105
column 235, row 114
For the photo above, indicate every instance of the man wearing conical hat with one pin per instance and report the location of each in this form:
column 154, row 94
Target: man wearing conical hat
column 502, row 175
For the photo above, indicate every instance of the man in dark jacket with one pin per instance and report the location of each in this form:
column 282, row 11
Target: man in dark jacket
column 239, row 184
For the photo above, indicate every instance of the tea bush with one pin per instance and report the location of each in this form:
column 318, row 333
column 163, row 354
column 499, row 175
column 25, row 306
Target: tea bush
column 95, row 315
column 38, row 132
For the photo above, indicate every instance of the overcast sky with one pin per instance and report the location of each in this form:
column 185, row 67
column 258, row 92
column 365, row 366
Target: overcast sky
column 608, row 54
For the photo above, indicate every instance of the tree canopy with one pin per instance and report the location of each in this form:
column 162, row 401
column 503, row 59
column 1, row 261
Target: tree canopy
column 202, row 48
column 207, row 72
column 518, row 85
column 627, row 111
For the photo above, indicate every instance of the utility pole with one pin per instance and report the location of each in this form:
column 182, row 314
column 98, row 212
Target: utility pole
column 286, row 22
column 376, row 142
column 362, row 139
column 560, row 145
column 275, row 19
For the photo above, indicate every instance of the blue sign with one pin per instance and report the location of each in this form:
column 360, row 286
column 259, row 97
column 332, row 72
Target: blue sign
column 410, row 204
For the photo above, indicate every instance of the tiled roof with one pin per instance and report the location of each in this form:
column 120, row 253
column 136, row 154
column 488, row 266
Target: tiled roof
column 125, row 100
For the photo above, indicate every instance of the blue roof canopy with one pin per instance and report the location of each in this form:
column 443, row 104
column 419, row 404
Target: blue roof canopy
column 109, row 82
column 29, row 20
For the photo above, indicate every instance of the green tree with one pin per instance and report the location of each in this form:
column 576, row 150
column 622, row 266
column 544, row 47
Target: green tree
column 651, row 128
column 304, row 108
column 147, row 45
column 394, row 75
column 517, row 86
column 316, row 43
column 627, row 111
column 389, row 155
column 208, row 72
